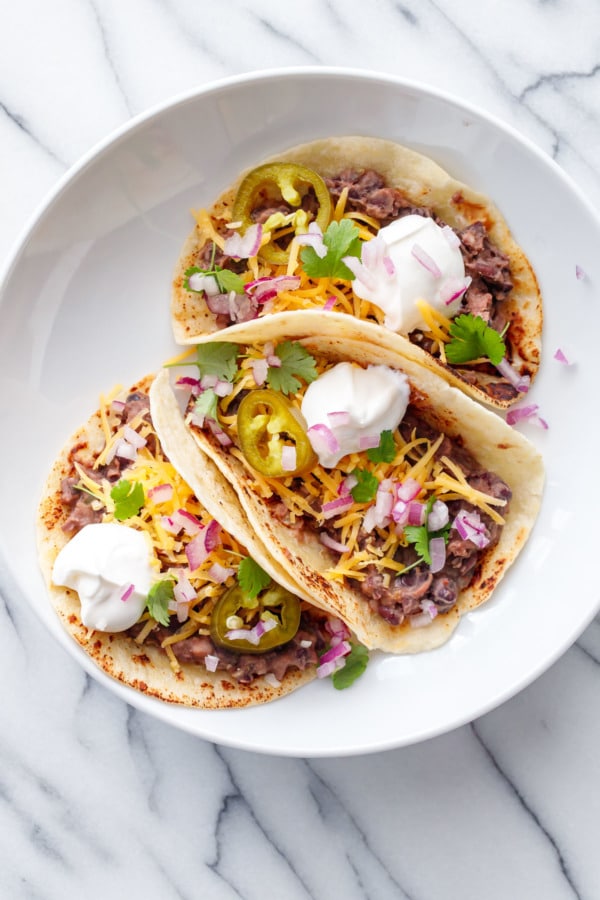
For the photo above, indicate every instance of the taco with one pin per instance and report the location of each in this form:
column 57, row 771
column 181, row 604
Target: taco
column 158, row 576
column 393, row 498
column 371, row 231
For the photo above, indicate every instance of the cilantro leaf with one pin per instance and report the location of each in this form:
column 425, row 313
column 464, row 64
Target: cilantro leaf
column 218, row 358
column 366, row 488
column 473, row 338
column 129, row 498
column 251, row 577
column 295, row 361
column 341, row 239
column 419, row 536
column 206, row 404
column 386, row 451
column 229, row 281
column 158, row 599
column 356, row 663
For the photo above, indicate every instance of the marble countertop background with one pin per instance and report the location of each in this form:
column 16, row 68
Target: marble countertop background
column 97, row 799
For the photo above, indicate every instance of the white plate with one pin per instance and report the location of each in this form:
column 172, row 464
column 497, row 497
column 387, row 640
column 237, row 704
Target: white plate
column 84, row 305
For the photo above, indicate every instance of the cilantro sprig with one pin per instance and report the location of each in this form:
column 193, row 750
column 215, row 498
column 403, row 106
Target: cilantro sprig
column 218, row 358
column 296, row 363
column 206, row 404
column 341, row 239
column 473, row 338
column 158, row 599
column 251, row 577
column 366, row 488
column 129, row 498
column 356, row 663
column 386, row 451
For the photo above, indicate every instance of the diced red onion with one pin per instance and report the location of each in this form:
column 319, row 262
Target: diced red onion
column 329, row 304
column 199, row 281
column 438, row 516
column 451, row 236
column 336, row 626
column 218, row 432
column 408, row 490
column 322, row 440
column 384, row 501
column 400, row 512
column 274, row 361
column 212, row 535
column 127, row 592
column 561, row 358
column 328, row 541
column 244, row 246
column 335, row 507
column 313, row 238
column 361, row 273
column 421, row 255
column 136, row 440
column 437, row 551
column 421, row 620
column 520, row 382
column 579, row 273
column 347, row 484
column 208, row 381
column 271, row 680
column 328, row 668
column 260, row 369
column 211, row 662
column 288, row 458
column 453, row 288
column 339, row 417
column 181, row 520
column 196, row 552
column 191, row 385
column 161, row 493
column 341, row 649
column 416, row 513
column 471, row 528
column 528, row 412
column 252, row 635
column 368, row 441
column 223, row 388
column 266, row 288
column 429, row 607
column 190, row 524
column 124, row 450
column 118, row 405
column 306, row 644
column 184, row 591
column 389, row 266
column 219, row 573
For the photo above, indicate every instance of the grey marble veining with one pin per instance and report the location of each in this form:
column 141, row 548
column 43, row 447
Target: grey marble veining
column 96, row 798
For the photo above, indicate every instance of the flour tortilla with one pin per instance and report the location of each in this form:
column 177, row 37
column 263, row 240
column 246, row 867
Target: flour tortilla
column 492, row 442
column 426, row 184
column 146, row 667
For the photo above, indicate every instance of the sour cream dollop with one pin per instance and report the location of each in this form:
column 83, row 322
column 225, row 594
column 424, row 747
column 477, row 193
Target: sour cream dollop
column 109, row 567
column 354, row 403
column 412, row 280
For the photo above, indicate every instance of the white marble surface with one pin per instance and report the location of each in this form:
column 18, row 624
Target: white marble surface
column 98, row 800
